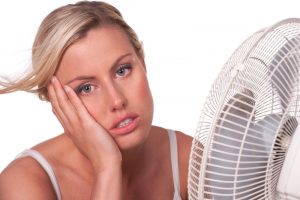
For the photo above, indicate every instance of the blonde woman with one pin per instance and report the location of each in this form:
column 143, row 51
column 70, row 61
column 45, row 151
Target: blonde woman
column 88, row 62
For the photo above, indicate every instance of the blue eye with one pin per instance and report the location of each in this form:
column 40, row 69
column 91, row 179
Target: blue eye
column 123, row 70
column 84, row 89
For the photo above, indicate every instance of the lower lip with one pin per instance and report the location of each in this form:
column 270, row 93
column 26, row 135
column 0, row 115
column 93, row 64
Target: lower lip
column 126, row 129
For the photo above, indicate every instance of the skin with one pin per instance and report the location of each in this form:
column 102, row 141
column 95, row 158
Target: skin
column 100, row 81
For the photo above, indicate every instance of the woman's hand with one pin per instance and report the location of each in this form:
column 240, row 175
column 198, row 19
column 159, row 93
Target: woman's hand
column 88, row 135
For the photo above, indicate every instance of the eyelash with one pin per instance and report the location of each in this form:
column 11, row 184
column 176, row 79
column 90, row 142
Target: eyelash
column 79, row 89
column 124, row 67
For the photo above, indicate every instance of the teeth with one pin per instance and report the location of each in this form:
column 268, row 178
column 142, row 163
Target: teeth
column 124, row 123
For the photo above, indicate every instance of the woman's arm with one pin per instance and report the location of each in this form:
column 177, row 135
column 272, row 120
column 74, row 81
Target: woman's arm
column 91, row 139
column 108, row 185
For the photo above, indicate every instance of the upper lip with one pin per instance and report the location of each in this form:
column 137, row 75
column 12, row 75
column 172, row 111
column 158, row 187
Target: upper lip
column 121, row 118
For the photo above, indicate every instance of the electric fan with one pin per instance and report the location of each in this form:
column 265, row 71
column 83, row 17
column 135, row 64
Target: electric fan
column 247, row 142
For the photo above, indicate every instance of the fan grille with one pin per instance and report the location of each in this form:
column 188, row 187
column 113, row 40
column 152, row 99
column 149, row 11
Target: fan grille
column 251, row 112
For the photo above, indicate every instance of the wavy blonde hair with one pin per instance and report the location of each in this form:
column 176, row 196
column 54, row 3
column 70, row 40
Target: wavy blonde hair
column 60, row 29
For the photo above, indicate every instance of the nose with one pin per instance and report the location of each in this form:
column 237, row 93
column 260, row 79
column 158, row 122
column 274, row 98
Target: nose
column 117, row 98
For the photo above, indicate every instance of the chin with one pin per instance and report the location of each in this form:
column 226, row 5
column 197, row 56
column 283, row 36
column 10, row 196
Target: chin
column 132, row 140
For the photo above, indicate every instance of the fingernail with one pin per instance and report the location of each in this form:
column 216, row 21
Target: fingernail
column 53, row 79
column 66, row 88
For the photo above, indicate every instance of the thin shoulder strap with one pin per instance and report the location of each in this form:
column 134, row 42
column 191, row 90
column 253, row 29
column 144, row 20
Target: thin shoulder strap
column 45, row 165
column 174, row 161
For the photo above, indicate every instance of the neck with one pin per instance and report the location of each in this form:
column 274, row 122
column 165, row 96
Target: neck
column 133, row 160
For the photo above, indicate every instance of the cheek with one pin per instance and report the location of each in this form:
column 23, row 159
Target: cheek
column 143, row 94
column 94, row 107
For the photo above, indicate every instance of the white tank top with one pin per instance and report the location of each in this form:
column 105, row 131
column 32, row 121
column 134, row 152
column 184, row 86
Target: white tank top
column 48, row 169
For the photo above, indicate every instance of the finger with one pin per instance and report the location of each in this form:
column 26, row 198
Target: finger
column 56, row 108
column 81, row 110
column 66, row 129
column 63, row 102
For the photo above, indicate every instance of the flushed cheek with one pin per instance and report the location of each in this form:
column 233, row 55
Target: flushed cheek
column 96, row 109
column 144, row 96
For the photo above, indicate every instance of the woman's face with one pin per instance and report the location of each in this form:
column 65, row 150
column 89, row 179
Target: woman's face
column 110, row 79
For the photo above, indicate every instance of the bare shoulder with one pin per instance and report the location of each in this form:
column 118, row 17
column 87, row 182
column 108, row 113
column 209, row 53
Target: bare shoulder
column 184, row 142
column 25, row 179
column 184, row 148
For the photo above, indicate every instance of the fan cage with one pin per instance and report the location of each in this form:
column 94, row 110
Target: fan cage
column 251, row 111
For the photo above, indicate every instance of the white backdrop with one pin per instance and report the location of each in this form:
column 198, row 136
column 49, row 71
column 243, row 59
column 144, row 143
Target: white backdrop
column 186, row 44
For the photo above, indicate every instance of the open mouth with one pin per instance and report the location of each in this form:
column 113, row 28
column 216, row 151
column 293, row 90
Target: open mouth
column 124, row 122
column 126, row 125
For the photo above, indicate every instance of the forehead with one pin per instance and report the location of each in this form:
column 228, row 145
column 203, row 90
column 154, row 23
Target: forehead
column 101, row 42
column 100, row 47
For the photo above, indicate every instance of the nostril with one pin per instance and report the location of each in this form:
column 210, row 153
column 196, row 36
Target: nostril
column 119, row 106
column 117, row 97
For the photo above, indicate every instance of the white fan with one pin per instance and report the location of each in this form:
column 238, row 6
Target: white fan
column 247, row 143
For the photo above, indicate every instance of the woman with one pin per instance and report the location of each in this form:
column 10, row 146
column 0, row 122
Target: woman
column 90, row 65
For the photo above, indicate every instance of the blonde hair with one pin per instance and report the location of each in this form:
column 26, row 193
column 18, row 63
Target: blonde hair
column 60, row 29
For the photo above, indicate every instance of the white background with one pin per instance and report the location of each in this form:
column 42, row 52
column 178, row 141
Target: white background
column 186, row 44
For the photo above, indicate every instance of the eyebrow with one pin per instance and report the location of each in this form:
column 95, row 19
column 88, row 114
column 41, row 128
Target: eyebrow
column 81, row 78
column 89, row 78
